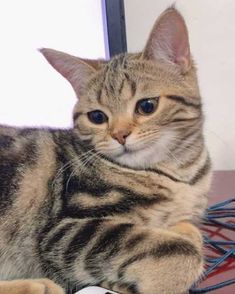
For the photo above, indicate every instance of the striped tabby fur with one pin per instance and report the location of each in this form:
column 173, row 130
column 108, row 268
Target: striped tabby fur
column 80, row 208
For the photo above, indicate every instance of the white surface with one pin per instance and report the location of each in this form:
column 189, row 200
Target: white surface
column 31, row 92
column 211, row 27
column 95, row 290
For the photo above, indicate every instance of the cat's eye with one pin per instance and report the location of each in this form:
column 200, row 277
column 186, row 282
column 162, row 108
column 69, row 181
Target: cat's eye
column 97, row 117
column 146, row 106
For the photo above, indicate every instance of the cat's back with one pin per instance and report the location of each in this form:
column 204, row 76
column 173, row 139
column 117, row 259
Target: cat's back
column 26, row 165
column 27, row 160
column 24, row 144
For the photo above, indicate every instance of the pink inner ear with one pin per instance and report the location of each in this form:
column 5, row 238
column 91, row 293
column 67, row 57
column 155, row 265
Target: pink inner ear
column 180, row 41
column 169, row 40
column 74, row 69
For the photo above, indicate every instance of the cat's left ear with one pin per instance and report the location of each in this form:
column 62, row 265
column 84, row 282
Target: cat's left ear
column 168, row 41
column 76, row 70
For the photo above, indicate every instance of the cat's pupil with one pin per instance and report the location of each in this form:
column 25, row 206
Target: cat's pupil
column 97, row 117
column 146, row 106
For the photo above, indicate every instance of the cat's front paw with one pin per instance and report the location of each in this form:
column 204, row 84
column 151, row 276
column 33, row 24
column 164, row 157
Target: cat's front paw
column 40, row 286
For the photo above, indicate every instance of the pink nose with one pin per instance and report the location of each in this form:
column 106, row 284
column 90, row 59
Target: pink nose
column 121, row 136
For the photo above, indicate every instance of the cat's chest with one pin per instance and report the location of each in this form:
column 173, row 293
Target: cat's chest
column 174, row 199
column 143, row 197
column 183, row 202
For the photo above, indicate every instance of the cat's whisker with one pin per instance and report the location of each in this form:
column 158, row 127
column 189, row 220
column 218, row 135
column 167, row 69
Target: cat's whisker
column 147, row 140
column 69, row 164
column 61, row 171
column 149, row 133
column 182, row 147
column 86, row 153
column 85, row 159
column 88, row 160
column 83, row 163
column 177, row 128
column 74, row 160
column 172, row 156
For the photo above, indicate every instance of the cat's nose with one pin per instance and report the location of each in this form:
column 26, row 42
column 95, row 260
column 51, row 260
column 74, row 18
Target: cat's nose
column 121, row 136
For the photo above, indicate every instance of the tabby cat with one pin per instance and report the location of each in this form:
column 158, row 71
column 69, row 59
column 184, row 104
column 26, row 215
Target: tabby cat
column 114, row 200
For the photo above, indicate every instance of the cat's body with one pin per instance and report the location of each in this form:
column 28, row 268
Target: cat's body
column 120, row 215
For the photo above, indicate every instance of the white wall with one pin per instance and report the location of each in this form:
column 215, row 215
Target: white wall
column 211, row 27
column 31, row 92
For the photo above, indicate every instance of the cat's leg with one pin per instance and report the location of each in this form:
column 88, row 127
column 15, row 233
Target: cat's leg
column 129, row 258
column 37, row 286
column 158, row 261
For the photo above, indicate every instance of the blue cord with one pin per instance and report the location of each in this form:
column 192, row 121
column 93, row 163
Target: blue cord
column 214, row 287
column 223, row 224
column 220, row 261
column 219, row 216
column 221, row 204
column 225, row 248
column 221, row 242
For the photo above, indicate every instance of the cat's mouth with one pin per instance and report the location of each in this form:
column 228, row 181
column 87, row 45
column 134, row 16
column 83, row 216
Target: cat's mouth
column 126, row 150
column 135, row 157
column 135, row 153
column 121, row 151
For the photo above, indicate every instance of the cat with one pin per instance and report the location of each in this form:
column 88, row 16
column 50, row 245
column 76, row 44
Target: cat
column 115, row 200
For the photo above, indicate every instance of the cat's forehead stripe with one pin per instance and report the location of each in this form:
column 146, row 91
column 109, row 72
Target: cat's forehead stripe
column 121, row 86
column 116, row 78
column 119, row 61
column 132, row 83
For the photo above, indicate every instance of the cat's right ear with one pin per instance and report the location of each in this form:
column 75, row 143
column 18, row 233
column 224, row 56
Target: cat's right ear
column 77, row 71
column 169, row 41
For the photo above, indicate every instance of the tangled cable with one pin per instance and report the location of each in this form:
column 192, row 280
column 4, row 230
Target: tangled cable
column 219, row 253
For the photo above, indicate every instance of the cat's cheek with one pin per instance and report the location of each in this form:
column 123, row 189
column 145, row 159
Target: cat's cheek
column 99, row 138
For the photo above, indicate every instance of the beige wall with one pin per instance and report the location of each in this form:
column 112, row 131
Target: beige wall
column 211, row 25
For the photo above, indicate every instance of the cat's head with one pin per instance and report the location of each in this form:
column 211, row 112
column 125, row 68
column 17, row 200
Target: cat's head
column 137, row 108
